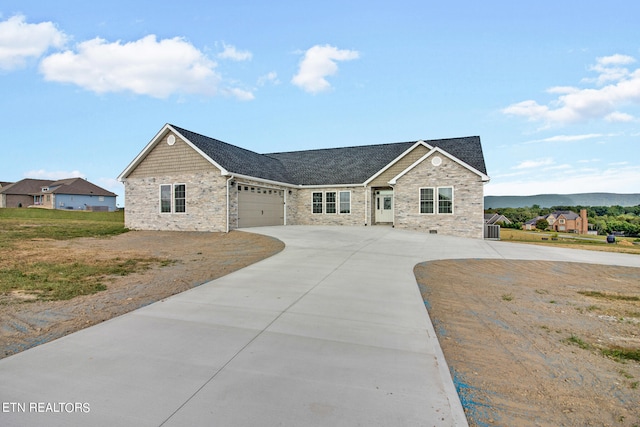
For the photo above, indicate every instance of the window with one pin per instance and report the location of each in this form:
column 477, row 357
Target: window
column 173, row 198
column 345, row 202
column 316, row 202
column 165, row 198
column 180, row 197
column 445, row 200
column 331, row 202
column 426, row 201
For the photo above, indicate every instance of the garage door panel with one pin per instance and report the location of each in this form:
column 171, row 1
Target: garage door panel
column 259, row 206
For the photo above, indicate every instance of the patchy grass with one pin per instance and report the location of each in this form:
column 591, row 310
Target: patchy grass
column 575, row 340
column 61, row 281
column 609, row 296
column 48, row 276
column 507, row 297
column 621, row 354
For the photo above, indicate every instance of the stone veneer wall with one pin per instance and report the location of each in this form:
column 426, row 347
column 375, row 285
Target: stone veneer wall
column 302, row 214
column 205, row 203
column 467, row 219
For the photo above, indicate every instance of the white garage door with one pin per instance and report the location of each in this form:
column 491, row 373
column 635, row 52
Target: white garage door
column 259, row 206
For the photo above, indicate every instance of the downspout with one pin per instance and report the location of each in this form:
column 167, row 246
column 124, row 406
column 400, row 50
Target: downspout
column 393, row 204
column 228, row 180
column 365, row 205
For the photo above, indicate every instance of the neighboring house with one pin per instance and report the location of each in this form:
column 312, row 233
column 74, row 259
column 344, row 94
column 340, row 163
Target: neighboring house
column 562, row 221
column 186, row 181
column 72, row 193
column 496, row 218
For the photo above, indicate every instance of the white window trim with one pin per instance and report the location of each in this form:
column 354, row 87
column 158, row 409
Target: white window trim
column 172, row 209
column 339, row 203
column 437, row 197
column 160, row 199
column 435, row 201
column 173, row 197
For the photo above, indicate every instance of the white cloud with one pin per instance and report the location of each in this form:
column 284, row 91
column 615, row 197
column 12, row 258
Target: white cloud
column 529, row 164
column 158, row 68
column 618, row 117
column 567, row 138
column 230, row 52
column 621, row 87
column 609, row 70
column 319, row 62
column 241, row 94
column 20, row 41
column 53, row 175
column 271, row 77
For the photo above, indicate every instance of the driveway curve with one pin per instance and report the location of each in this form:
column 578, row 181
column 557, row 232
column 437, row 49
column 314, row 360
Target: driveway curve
column 331, row 331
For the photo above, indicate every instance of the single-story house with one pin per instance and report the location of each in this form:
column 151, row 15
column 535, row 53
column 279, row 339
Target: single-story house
column 562, row 221
column 71, row 193
column 183, row 180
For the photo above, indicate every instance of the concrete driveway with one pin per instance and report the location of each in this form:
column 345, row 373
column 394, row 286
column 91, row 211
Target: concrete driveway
column 332, row 331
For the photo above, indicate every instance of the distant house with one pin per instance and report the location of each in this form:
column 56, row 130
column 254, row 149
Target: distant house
column 496, row 218
column 186, row 181
column 562, row 221
column 71, row 193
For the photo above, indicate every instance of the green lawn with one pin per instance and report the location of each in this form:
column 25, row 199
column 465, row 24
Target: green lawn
column 19, row 224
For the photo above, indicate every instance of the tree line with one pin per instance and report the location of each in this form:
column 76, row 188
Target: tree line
column 603, row 219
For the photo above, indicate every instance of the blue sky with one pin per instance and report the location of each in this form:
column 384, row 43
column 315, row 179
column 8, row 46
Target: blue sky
column 552, row 88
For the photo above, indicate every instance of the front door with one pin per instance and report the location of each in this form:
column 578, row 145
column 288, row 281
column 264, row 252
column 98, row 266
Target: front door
column 384, row 206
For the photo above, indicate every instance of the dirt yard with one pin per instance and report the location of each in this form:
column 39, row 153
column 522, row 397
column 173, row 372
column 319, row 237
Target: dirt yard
column 194, row 258
column 538, row 343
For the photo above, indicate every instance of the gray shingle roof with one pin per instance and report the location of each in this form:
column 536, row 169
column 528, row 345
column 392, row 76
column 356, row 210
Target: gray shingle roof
column 348, row 165
column 77, row 186
column 26, row 186
column 345, row 165
column 237, row 160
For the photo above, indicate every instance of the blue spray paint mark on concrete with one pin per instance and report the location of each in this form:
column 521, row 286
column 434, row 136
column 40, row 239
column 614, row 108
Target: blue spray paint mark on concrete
column 475, row 410
column 439, row 328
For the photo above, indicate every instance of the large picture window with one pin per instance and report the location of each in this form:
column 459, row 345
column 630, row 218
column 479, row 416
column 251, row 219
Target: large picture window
column 316, row 200
column 173, row 198
column 345, row 202
column 445, row 200
column 426, row 201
